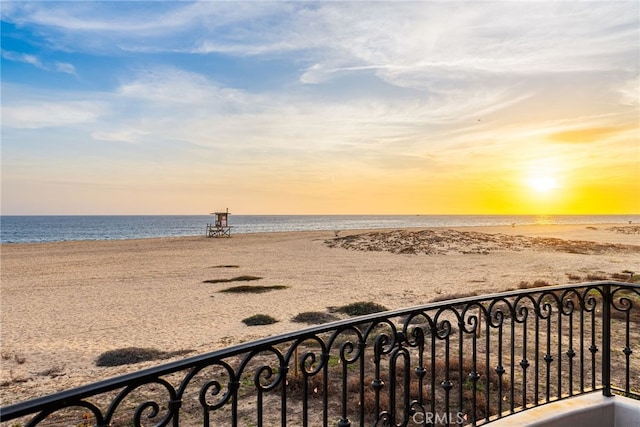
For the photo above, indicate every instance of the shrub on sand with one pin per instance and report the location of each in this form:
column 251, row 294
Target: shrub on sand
column 361, row 308
column 314, row 317
column 258, row 320
column 247, row 289
column 130, row 355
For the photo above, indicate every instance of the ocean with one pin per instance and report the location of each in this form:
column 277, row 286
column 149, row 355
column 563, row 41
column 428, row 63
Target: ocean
column 30, row 229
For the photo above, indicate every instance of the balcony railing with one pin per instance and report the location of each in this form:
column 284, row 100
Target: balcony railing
column 465, row 361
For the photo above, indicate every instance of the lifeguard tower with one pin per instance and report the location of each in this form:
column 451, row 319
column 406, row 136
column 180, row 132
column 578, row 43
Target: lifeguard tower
column 221, row 227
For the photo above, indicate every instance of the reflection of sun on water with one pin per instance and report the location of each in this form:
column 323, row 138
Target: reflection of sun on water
column 544, row 220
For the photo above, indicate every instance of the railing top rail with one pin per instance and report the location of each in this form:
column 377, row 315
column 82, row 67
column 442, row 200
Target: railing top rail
column 142, row 376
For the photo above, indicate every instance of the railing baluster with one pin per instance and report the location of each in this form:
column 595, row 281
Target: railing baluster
column 446, row 383
column 623, row 303
column 259, row 405
column 548, row 358
column 474, row 376
column 345, row 350
column 420, row 371
column 536, row 367
column 325, row 386
column 487, row 367
column 499, row 368
column 521, row 315
column 606, row 340
column 233, row 388
column 582, row 355
column 627, row 353
column 392, row 386
column 570, row 354
column 524, row 364
column 433, row 367
column 361, row 349
column 511, row 363
column 284, row 371
column 377, row 384
column 305, row 395
column 460, row 363
column 593, row 349
column 559, row 355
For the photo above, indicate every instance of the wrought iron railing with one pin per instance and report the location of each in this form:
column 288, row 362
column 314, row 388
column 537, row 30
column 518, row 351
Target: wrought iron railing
column 463, row 361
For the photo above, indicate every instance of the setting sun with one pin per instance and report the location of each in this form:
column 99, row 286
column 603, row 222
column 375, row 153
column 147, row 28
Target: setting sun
column 543, row 184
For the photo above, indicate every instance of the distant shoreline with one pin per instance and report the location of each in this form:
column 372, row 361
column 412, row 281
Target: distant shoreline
column 31, row 229
column 514, row 228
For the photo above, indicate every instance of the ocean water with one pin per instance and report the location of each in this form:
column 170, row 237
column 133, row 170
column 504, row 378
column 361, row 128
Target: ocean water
column 29, row 229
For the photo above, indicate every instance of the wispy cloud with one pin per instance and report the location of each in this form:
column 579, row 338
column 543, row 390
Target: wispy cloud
column 122, row 135
column 22, row 57
column 62, row 67
column 586, row 135
column 48, row 114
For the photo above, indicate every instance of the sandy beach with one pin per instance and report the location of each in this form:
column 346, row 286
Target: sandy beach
column 63, row 304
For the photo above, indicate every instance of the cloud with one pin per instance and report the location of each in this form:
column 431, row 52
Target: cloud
column 29, row 59
column 423, row 45
column 172, row 86
column 144, row 26
column 457, row 63
column 22, row 57
column 50, row 114
column 319, row 73
column 96, row 17
column 122, row 135
column 629, row 91
column 62, row 67
column 418, row 45
column 586, row 135
column 65, row 67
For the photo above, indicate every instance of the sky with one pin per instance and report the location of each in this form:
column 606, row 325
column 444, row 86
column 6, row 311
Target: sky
column 429, row 107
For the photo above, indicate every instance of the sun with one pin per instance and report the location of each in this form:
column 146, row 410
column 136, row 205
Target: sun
column 543, row 183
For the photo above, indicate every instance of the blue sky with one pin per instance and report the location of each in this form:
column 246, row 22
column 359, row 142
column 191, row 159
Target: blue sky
column 320, row 107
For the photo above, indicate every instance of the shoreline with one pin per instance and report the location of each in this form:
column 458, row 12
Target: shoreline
column 500, row 228
column 64, row 303
column 40, row 229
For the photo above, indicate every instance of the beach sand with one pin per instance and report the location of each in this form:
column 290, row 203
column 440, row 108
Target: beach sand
column 63, row 304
